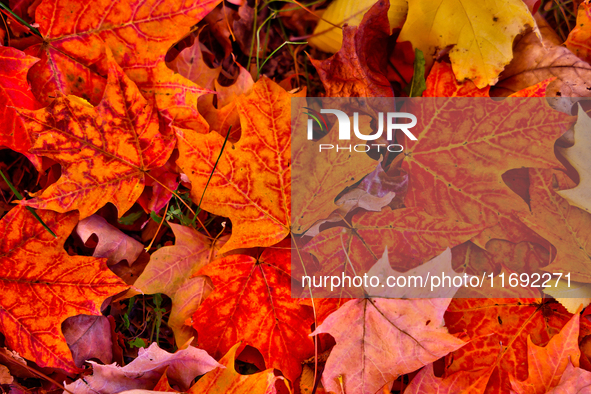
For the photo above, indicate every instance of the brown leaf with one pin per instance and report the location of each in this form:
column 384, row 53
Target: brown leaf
column 88, row 337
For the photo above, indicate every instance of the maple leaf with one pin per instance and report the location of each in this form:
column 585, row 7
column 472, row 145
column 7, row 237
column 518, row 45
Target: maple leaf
column 578, row 38
column 14, row 66
column 412, row 236
column 41, row 285
column 499, row 328
column 170, row 272
column 481, row 34
column 251, row 183
column 252, row 302
column 563, row 225
column 112, row 242
column 104, row 151
column 580, row 196
column 145, row 371
column 73, row 50
column 380, row 339
column 460, row 382
column 227, row 380
column 456, row 170
column 547, row 364
column 322, row 177
column 358, row 69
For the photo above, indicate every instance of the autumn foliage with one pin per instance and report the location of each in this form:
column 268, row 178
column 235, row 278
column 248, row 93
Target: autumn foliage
column 159, row 210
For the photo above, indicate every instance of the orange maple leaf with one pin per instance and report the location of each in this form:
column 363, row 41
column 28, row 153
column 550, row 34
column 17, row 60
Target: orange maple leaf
column 105, row 151
column 252, row 302
column 41, row 285
column 251, row 183
column 455, row 168
column 138, row 32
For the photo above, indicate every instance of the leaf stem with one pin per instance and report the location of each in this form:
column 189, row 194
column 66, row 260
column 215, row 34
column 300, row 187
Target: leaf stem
column 20, row 197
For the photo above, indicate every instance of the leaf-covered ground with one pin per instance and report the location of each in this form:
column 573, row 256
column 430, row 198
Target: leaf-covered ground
column 147, row 227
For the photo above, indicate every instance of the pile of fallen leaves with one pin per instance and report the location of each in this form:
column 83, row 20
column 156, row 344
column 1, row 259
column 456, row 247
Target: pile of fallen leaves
column 147, row 226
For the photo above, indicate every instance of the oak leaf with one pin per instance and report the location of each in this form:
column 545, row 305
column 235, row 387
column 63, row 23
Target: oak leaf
column 577, row 155
column 190, row 64
column 380, row 339
column 481, row 34
column 562, row 225
column 88, row 337
column 145, row 371
column 170, row 272
column 358, row 69
column 465, row 145
column 546, row 365
column 138, row 32
column 112, row 244
column 251, row 182
column 252, row 302
column 41, row 285
column 105, row 151
column 15, row 92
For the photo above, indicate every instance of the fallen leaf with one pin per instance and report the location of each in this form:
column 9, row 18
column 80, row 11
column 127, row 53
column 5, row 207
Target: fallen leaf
column 113, row 244
column 228, row 381
column 563, row 225
column 252, row 302
column 573, row 381
column 88, row 337
column 380, row 339
column 170, row 271
column 145, row 371
column 442, row 82
column 535, row 60
column 455, row 168
column 104, row 151
column 572, row 295
column 547, row 364
column 41, row 286
column 481, row 34
column 358, row 69
column 322, row 176
column 412, row 236
column 425, row 382
column 329, row 38
column 5, row 376
column 190, row 64
column 73, row 50
column 250, row 184
column 416, row 280
column 14, row 66
column 580, row 196
column 499, row 329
